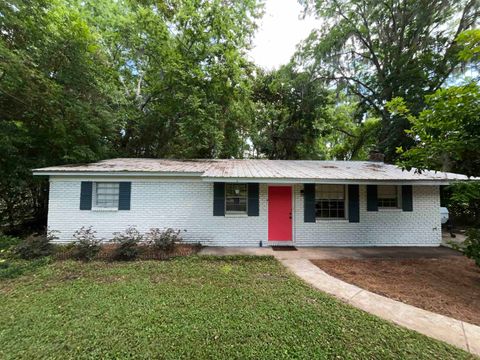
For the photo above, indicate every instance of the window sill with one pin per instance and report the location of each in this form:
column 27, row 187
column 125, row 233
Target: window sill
column 105, row 209
column 389, row 209
column 331, row 220
column 236, row 215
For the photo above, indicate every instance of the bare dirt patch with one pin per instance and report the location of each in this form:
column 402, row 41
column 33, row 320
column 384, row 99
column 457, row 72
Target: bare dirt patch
column 448, row 286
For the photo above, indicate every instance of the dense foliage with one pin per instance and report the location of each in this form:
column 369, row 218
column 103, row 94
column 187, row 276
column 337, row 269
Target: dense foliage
column 446, row 134
column 379, row 50
column 36, row 246
column 288, row 110
column 85, row 80
column 448, row 131
column 472, row 245
column 56, row 95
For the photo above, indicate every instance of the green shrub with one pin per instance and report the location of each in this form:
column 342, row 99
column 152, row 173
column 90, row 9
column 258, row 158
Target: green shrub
column 163, row 240
column 7, row 242
column 36, row 246
column 87, row 246
column 7, row 247
column 127, row 244
column 472, row 245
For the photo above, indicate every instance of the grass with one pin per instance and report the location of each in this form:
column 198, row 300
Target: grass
column 12, row 268
column 191, row 308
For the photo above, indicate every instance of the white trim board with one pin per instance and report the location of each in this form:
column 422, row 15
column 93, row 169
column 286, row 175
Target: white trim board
column 197, row 177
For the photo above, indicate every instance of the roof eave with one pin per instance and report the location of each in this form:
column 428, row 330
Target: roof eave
column 117, row 173
column 332, row 181
column 245, row 180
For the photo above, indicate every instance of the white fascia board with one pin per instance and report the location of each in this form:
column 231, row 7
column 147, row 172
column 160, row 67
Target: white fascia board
column 328, row 181
column 116, row 174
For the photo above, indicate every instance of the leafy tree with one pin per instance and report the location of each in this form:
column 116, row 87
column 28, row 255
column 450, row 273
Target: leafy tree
column 469, row 42
column 472, row 245
column 447, row 132
column 82, row 80
column 288, row 110
column 55, row 99
column 379, row 50
column 183, row 68
column 346, row 136
column 447, row 135
column 463, row 202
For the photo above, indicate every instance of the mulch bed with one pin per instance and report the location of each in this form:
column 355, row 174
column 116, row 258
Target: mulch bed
column 145, row 252
column 448, row 286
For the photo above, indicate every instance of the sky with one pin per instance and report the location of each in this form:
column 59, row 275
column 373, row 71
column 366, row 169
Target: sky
column 280, row 30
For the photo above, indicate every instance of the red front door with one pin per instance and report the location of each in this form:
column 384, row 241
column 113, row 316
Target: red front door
column 280, row 213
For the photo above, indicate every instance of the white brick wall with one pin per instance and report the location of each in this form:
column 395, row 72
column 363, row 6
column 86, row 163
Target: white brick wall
column 188, row 205
column 420, row 227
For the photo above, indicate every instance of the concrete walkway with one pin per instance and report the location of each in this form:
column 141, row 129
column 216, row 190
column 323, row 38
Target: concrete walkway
column 455, row 332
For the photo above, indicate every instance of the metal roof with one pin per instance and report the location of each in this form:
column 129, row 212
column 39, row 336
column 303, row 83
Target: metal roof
column 250, row 169
column 134, row 165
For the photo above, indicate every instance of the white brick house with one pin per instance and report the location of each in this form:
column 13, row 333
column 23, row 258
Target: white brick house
column 250, row 202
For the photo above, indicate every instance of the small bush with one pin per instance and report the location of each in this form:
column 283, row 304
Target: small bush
column 87, row 246
column 36, row 246
column 472, row 245
column 127, row 244
column 163, row 240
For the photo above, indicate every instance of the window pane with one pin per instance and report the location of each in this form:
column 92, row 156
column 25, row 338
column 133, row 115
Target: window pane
column 330, row 191
column 387, row 191
column 236, row 198
column 388, row 196
column 236, row 204
column 107, row 194
column 235, row 189
column 330, row 201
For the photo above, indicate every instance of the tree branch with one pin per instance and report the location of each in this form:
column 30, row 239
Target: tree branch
column 344, row 132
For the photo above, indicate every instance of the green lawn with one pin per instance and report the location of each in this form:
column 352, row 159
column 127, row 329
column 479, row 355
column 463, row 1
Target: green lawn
column 190, row 308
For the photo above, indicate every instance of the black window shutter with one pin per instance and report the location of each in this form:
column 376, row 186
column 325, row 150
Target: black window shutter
column 218, row 199
column 372, row 200
column 353, row 204
column 86, row 195
column 407, row 201
column 124, row 195
column 253, row 193
column 309, row 202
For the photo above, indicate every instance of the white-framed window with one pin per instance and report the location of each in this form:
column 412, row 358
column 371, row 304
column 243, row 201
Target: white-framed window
column 330, row 201
column 236, row 198
column 388, row 196
column 106, row 195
